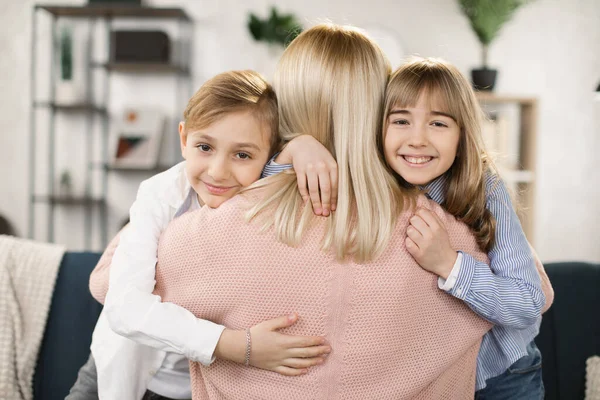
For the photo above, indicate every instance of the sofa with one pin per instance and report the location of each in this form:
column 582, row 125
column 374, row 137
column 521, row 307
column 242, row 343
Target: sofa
column 66, row 343
column 570, row 331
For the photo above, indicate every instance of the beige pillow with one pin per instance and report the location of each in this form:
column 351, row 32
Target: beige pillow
column 592, row 379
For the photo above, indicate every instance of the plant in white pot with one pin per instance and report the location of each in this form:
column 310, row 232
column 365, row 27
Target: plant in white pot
column 276, row 32
column 487, row 18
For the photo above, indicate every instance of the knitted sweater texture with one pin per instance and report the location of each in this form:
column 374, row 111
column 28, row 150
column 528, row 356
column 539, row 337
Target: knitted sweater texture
column 393, row 333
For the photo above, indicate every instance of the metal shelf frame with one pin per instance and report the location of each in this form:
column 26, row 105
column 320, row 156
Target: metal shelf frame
column 92, row 112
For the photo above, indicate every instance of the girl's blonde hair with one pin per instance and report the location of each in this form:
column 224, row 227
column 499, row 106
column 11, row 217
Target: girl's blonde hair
column 465, row 183
column 330, row 83
column 231, row 92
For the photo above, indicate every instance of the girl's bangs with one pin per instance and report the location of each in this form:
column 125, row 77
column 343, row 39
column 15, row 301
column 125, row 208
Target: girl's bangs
column 406, row 88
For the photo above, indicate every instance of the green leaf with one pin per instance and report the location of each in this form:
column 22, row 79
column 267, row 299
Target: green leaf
column 488, row 16
column 277, row 28
column 255, row 27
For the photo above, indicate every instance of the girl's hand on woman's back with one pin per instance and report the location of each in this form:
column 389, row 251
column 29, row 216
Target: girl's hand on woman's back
column 427, row 241
column 316, row 171
column 274, row 351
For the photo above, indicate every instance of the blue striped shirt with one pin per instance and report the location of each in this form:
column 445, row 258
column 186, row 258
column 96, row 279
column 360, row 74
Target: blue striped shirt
column 507, row 292
column 273, row 168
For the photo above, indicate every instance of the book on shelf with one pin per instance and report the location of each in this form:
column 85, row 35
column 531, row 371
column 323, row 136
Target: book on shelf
column 501, row 134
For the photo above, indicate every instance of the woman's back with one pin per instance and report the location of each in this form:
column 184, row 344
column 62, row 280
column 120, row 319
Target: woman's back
column 394, row 334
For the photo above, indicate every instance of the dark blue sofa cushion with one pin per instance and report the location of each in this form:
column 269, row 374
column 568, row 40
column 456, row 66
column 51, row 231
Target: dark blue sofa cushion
column 71, row 320
column 570, row 331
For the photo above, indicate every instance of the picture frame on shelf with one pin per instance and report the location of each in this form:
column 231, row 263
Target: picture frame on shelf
column 137, row 139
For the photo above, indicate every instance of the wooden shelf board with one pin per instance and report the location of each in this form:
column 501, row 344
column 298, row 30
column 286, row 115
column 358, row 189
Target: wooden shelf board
column 492, row 98
column 516, row 176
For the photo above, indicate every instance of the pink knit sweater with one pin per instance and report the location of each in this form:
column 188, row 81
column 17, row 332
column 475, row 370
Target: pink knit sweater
column 394, row 334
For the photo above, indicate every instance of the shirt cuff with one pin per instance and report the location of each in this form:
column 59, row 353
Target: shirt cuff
column 448, row 284
column 211, row 333
column 273, row 168
column 465, row 278
column 272, row 160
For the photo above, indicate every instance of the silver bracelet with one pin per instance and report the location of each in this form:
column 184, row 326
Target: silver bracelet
column 248, row 347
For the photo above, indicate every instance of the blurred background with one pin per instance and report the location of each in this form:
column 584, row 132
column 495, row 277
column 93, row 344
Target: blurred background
column 92, row 93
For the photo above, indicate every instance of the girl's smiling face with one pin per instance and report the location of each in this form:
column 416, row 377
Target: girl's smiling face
column 421, row 142
column 226, row 156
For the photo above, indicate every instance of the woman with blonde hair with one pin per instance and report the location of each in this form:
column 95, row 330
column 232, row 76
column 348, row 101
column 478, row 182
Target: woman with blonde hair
column 393, row 333
column 263, row 253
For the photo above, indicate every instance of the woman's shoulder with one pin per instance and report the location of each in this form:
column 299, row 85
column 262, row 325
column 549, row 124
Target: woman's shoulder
column 207, row 230
column 230, row 212
column 453, row 225
column 424, row 202
column 421, row 201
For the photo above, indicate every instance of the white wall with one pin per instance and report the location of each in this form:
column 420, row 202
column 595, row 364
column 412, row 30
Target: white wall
column 550, row 50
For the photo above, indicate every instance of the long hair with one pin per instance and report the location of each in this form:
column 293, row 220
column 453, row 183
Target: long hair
column 230, row 92
column 330, row 84
column 465, row 180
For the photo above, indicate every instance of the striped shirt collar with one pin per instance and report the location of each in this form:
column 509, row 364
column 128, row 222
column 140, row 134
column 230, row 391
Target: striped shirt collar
column 190, row 202
column 436, row 189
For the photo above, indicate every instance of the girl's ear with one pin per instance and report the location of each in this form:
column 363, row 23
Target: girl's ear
column 182, row 138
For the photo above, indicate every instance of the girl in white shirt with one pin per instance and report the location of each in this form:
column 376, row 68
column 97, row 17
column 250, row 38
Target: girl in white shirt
column 141, row 346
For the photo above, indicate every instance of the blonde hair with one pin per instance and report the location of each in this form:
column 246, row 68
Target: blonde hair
column 330, row 83
column 231, row 92
column 465, row 183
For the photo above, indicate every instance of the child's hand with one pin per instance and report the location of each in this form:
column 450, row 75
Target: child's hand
column 427, row 241
column 285, row 354
column 316, row 171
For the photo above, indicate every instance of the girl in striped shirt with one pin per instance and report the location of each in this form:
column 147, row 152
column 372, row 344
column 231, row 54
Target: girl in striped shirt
column 431, row 139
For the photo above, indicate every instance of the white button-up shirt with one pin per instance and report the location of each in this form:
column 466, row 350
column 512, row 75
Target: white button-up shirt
column 136, row 331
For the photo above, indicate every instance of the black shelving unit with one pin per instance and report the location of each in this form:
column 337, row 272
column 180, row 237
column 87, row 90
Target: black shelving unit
column 155, row 170
column 69, row 200
column 137, row 68
column 71, row 108
column 93, row 112
column 114, row 11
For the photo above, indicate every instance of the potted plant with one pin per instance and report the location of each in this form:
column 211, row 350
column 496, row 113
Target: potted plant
column 487, row 18
column 278, row 29
column 66, row 184
column 273, row 33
